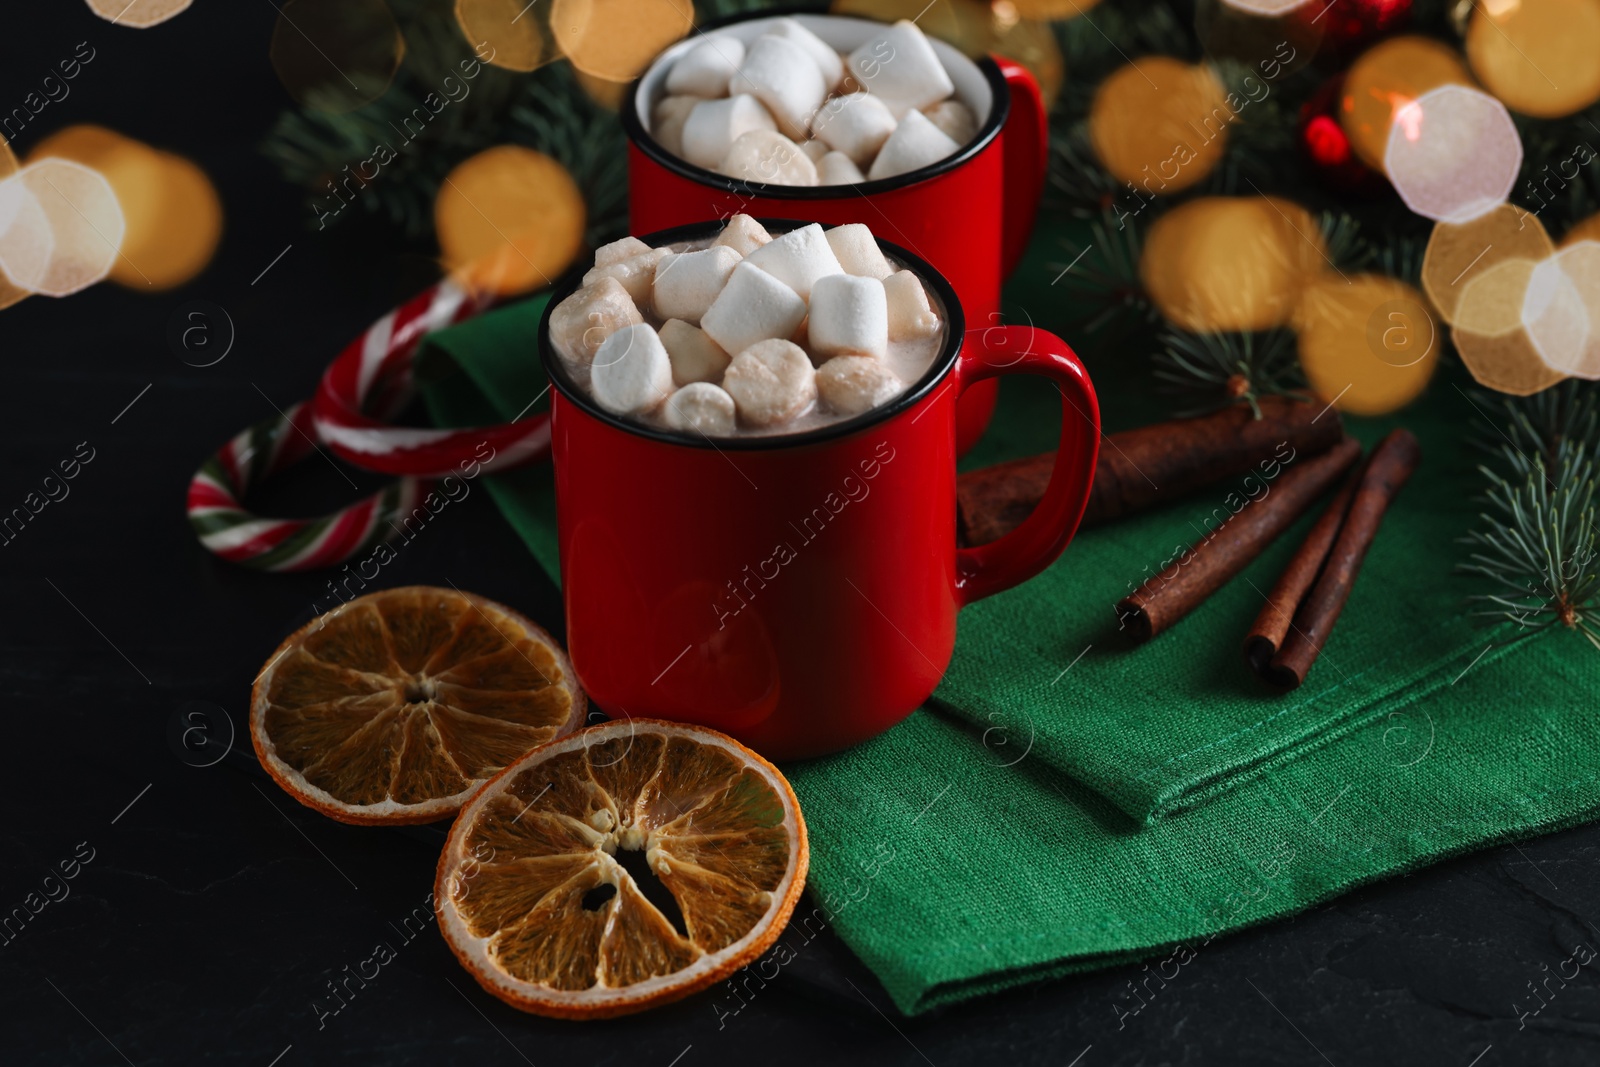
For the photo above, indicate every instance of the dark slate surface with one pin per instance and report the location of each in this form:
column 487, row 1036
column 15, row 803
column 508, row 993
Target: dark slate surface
column 212, row 912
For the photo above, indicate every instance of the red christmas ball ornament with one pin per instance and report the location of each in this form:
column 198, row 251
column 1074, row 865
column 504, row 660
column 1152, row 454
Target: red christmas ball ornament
column 1328, row 147
column 1349, row 26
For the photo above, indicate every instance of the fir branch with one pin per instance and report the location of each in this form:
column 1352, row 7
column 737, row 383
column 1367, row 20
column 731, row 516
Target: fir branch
column 1105, row 277
column 1537, row 541
column 1214, row 370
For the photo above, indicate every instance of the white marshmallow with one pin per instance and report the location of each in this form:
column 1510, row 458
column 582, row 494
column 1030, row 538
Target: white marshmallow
column 814, row 149
column 954, row 119
column 582, row 322
column 713, row 126
column 667, row 119
column 858, row 251
column 849, row 316
column 782, row 75
column 916, row 142
column 837, row 168
column 828, row 62
column 771, row 382
column 632, row 373
column 911, row 317
column 768, row 156
column 636, row 273
column 856, row 125
column 695, row 357
column 753, row 306
column 849, row 385
column 705, row 69
column 620, row 250
column 899, row 65
column 700, row 407
column 687, row 282
column 743, row 234
column 798, row 259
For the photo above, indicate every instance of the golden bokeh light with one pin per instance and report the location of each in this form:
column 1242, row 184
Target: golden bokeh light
column 1540, row 57
column 63, row 227
column 336, row 57
column 1231, row 263
column 509, row 220
column 1160, row 123
column 174, row 217
column 1489, row 335
column 509, row 29
column 9, row 293
column 138, row 14
column 1387, row 77
column 615, row 40
column 1368, row 343
column 1459, row 251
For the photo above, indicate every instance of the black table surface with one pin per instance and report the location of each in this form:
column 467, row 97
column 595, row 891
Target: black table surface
column 213, row 911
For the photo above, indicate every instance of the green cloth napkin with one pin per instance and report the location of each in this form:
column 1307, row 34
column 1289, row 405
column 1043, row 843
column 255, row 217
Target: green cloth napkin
column 1072, row 800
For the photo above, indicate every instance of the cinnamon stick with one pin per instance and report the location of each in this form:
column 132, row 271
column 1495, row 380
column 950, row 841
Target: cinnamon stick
column 1240, row 538
column 1150, row 465
column 1386, row 472
column 1272, row 625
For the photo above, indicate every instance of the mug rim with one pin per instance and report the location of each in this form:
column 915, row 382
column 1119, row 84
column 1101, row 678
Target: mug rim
column 955, row 331
column 988, row 130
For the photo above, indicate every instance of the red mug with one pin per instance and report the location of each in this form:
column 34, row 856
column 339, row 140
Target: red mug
column 970, row 215
column 797, row 591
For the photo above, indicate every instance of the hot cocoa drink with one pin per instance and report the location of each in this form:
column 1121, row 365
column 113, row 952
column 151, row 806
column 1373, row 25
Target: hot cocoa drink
column 747, row 333
column 787, row 109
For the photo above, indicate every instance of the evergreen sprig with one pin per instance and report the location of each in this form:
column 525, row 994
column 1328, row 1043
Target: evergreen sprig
column 1214, row 370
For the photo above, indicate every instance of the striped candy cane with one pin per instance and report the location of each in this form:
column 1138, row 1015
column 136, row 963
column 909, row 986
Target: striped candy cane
column 372, row 381
column 224, row 527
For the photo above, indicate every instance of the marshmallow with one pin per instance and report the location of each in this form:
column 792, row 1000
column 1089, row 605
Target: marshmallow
column 849, row 385
column 713, row 126
column 954, row 119
column 700, row 407
column 687, row 282
column 899, row 65
column 584, row 320
column 695, row 357
column 837, row 168
column 771, row 382
column 780, row 73
column 797, row 259
column 667, row 119
column 743, row 234
column 916, row 142
column 820, row 51
column 856, row 125
column 618, row 251
column 910, row 315
column 849, row 316
column 814, row 149
column 632, row 373
column 753, row 306
column 636, row 273
column 705, row 69
column 858, row 251
column 770, row 157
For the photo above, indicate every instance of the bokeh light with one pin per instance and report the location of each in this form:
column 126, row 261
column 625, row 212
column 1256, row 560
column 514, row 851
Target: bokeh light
column 1453, row 153
column 1561, row 310
column 509, row 28
column 1160, row 123
column 1541, row 57
column 509, row 220
column 1368, row 343
column 1458, row 252
column 336, row 57
column 1489, row 335
column 615, row 40
column 1387, row 77
column 60, row 227
column 138, row 14
column 9, row 293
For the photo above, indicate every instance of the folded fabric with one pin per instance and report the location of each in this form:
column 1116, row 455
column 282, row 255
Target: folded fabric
column 1076, row 800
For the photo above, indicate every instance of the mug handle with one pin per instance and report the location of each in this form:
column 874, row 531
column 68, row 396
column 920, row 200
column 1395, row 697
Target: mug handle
column 1025, row 146
column 1033, row 546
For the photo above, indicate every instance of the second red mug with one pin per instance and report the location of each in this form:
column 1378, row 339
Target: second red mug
column 969, row 215
column 798, row 591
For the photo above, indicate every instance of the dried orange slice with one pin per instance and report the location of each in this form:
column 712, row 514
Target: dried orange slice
column 620, row 868
column 394, row 707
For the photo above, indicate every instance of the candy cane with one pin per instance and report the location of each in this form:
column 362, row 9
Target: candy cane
column 372, row 381
column 224, row 527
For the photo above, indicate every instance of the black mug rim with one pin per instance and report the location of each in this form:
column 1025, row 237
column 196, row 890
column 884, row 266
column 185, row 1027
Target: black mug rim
column 955, row 329
column 988, row 130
